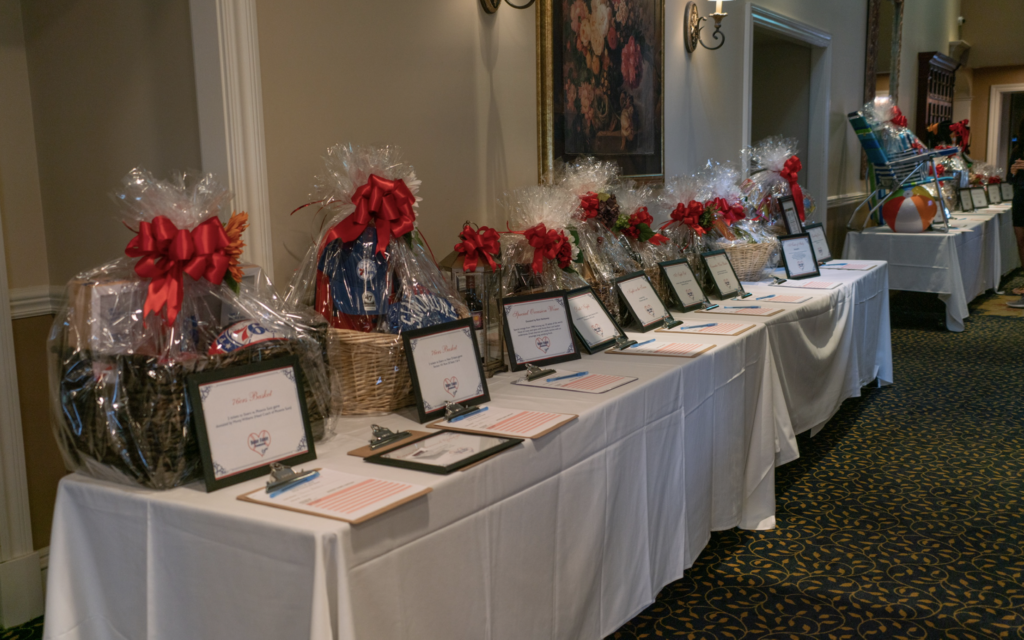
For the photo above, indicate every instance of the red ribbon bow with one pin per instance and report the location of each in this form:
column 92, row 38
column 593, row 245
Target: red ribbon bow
column 550, row 244
column 642, row 217
column 789, row 172
column 590, row 204
column 478, row 245
column 962, row 133
column 731, row 213
column 994, row 180
column 167, row 252
column 387, row 202
column 898, row 119
column 688, row 214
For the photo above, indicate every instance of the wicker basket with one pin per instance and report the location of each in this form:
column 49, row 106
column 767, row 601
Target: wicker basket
column 748, row 260
column 369, row 373
column 660, row 284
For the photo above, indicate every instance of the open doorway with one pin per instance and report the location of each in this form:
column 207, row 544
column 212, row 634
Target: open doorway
column 1005, row 113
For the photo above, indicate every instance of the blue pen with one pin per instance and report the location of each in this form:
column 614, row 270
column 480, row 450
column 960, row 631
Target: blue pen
column 571, row 375
column 642, row 343
column 701, row 326
column 466, row 415
column 742, row 307
column 765, row 297
column 311, row 476
column 835, row 264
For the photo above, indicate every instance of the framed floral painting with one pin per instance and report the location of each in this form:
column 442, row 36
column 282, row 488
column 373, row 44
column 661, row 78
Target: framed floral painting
column 600, row 73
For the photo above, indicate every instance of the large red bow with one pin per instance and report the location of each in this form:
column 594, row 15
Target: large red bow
column 688, row 214
column 962, row 132
column 590, row 204
column 167, row 252
column 789, row 172
column 550, row 244
column 732, row 213
column 898, row 119
column 387, row 202
column 476, row 245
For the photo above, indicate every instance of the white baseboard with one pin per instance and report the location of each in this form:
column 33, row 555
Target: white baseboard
column 849, row 198
column 42, row 300
column 21, row 590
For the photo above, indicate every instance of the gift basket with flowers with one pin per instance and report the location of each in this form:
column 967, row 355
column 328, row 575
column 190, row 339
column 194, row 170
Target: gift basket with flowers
column 539, row 252
column 688, row 223
column 595, row 216
column 130, row 332
column 369, row 275
column 646, row 246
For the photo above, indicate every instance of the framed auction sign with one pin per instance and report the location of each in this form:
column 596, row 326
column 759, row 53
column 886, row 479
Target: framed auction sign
column 798, row 256
column 966, row 201
column 538, row 330
column 594, row 326
column 1006, row 191
column 723, row 276
column 644, row 304
column 820, row 243
column 247, row 417
column 444, row 362
column 790, row 217
column 687, row 294
column 979, row 198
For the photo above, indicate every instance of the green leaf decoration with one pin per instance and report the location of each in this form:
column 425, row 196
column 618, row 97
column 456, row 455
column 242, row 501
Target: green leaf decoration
column 232, row 283
column 646, row 233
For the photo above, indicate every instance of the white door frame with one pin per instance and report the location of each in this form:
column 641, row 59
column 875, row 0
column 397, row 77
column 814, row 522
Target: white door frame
column 996, row 95
column 816, row 164
column 229, row 96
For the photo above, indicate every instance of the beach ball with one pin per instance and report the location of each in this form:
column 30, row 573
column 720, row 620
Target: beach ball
column 910, row 210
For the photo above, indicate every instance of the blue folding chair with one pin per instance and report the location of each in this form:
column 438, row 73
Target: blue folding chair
column 888, row 174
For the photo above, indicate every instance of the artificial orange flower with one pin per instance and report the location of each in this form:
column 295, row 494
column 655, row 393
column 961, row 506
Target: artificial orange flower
column 238, row 223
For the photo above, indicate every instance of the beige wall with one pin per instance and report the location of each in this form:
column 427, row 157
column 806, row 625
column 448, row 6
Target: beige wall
column 21, row 207
column 995, row 30
column 982, row 84
column 112, row 88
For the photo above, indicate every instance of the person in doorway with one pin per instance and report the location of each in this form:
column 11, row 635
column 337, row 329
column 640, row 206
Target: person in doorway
column 1016, row 176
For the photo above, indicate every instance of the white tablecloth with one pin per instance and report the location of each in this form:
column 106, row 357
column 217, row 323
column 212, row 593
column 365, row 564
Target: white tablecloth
column 959, row 265
column 1008, row 254
column 569, row 535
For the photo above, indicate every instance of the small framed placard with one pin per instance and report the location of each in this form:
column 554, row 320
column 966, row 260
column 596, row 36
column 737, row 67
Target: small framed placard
column 538, row 330
column 594, row 326
column 247, row 417
column 723, row 276
column 445, row 366
column 966, row 201
column 790, row 217
column 995, row 195
column 798, row 256
column 978, row 197
column 1006, row 190
column 820, row 243
column 444, row 452
column 686, row 292
column 644, row 304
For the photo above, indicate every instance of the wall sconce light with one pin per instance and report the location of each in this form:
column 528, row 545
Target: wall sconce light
column 693, row 26
column 490, row 6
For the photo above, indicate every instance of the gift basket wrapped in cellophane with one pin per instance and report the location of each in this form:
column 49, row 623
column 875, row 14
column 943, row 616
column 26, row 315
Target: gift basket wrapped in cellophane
column 890, row 128
column 596, row 211
column 130, row 332
column 983, row 173
column 646, row 246
column 724, row 216
column 539, row 252
column 370, row 276
column 687, row 223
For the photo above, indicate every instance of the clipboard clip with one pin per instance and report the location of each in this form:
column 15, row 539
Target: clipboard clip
column 454, row 410
column 282, row 476
column 778, row 280
column 669, row 322
column 533, row 372
column 708, row 305
column 622, row 342
column 382, row 436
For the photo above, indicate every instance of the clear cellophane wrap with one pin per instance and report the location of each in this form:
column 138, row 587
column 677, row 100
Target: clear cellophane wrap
column 889, row 125
column 354, row 284
column 597, row 210
column 982, row 173
column 751, row 246
column 639, row 200
column 528, row 208
column 676, row 196
column 954, row 167
column 118, row 374
column 766, row 184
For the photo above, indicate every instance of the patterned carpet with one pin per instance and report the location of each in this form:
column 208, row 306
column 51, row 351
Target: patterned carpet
column 31, row 631
column 902, row 519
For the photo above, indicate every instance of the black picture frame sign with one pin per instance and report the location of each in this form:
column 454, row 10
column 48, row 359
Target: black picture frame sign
column 517, row 338
column 966, row 201
column 995, row 194
column 723, row 276
column 798, row 256
column 979, row 197
column 445, row 366
column 402, row 456
column 247, row 383
column 819, row 241
column 636, row 289
column 1006, row 190
column 593, row 322
column 683, row 285
column 790, row 216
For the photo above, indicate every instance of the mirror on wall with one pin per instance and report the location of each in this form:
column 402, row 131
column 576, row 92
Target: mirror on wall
column 882, row 54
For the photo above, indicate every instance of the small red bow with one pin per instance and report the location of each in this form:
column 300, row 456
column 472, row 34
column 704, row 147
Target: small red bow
column 478, row 244
column 994, row 180
column 962, row 132
column 688, row 214
column 731, row 213
column 167, row 252
column 387, row 202
column 548, row 244
column 590, row 204
column 640, row 225
column 898, row 119
column 789, row 172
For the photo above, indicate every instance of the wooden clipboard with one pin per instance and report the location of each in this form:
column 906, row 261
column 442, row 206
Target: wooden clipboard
column 568, row 418
column 692, row 354
column 774, row 312
column 708, row 333
column 365, row 451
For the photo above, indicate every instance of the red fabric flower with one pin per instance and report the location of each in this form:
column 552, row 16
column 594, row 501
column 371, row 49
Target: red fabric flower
column 640, row 216
column 994, row 180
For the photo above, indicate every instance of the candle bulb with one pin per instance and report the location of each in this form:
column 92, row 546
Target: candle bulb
column 718, row 6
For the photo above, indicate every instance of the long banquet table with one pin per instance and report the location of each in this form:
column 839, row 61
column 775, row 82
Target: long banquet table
column 569, row 535
column 959, row 265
